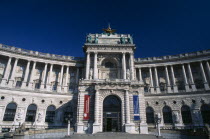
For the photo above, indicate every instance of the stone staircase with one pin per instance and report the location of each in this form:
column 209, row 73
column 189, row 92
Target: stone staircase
column 113, row 135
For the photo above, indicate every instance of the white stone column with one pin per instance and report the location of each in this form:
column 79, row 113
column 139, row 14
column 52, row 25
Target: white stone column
column 43, row 81
column 140, row 75
column 96, row 125
column 23, row 86
column 49, row 79
column 185, row 79
column 87, row 66
column 95, row 76
column 31, row 82
column 124, row 66
column 157, row 81
column 80, row 114
column 168, row 80
column 151, row 81
column 173, row 80
column 132, row 66
column 66, row 80
column 191, row 78
column 6, row 73
column 208, row 68
column 59, row 86
column 12, row 78
column 206, row 85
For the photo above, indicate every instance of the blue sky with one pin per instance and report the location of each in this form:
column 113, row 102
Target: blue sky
column 159, row 27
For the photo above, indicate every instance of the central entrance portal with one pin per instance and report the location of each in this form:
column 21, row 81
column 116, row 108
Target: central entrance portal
column 112, row 114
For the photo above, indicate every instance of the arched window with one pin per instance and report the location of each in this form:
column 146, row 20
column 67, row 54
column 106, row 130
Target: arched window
column 9, row 114
column 50, row 114
column 167, row 115
column 109, row 65
column 205, row 111
column 150, row 115
column 31, row 113
column 186, row 114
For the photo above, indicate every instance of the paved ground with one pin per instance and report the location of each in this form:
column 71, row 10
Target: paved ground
column 108, row 135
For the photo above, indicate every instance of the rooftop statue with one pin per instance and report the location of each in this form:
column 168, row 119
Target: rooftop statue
column 89, row 39
column 130, row 40
column 122, row 40
column 96, row 40
column 109, row 30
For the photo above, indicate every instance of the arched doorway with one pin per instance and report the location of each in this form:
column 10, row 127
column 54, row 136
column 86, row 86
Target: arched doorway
column 112, row 114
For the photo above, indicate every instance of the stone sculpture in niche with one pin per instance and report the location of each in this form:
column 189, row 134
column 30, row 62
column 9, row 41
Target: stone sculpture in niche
column 19, row 115
column 39, row 119
column 176, row 117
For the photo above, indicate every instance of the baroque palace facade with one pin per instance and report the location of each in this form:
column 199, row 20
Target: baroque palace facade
column 109, row 90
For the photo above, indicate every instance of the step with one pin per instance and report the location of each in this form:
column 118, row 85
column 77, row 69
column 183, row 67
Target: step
column 111, row 135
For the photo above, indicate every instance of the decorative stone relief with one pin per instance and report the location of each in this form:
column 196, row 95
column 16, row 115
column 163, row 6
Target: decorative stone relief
column 20, row 113
column 176, row 117
column 40, row 117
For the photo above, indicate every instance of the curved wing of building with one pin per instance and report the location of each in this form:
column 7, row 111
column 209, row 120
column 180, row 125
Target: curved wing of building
column 108, row 90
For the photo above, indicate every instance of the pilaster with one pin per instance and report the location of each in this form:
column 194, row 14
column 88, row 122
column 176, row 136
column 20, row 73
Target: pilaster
column 12, row 80
column 23, row 86
column 49, row 78
column 31, row 82
column 6, row 73
column 43, row 81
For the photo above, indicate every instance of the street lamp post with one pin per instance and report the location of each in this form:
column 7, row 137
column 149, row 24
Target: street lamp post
column 69, row 125
column 157, row 121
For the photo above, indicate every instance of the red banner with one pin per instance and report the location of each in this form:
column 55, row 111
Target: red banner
column 87, row 107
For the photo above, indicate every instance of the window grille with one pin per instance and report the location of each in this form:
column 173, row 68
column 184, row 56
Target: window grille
column 31, row 113
column 167, row 115
column 186, row 115
column 9, row 114
column 150, row 115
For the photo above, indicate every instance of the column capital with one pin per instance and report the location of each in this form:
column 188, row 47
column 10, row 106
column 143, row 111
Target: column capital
column 88, row 52
column 123, row 53
column 95, row 52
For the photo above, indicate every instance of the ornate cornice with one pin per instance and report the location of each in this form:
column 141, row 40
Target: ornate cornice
column 31, row 53
column 169, row 58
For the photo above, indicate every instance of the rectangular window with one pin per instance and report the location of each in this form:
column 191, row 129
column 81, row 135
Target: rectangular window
column 18, row 83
